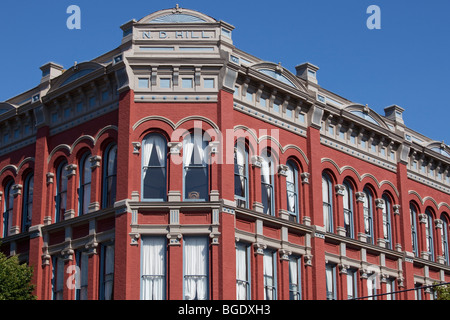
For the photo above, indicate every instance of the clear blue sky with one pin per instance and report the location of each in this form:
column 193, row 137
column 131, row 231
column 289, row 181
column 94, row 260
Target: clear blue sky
column 405, row 63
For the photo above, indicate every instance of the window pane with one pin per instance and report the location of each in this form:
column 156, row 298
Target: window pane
column 196, row 263
column 153, row 281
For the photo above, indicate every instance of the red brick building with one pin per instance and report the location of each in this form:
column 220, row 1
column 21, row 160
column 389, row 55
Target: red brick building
column 185, row 167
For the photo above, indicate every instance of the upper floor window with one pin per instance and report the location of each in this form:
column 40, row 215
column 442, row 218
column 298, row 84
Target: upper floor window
column 241, row 175
column 109, row 176
column 270, row 275
column 295, row 287
column 195, row 167
column 387, row 226
column 327, row 199
column 8, row 206
column 57, row 278
column 429, row 234
column 242, row 271
column 106, row 288
column 153, row 264
column 352, row 284
column 348, row 210
column 368, row 215
column 413, row 214
column 196, row 262
column 84, row 190
column 292, row 191
column 154, row 174
column 267, row 183
column 330, row 273
column 61, row 191
column 27, row 202
column 444, row 237
column 82, row 261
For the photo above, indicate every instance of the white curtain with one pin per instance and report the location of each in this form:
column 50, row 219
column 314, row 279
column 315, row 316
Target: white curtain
column 293, row 272
column 265, row 178
column 329, row 282
column 153, row 268
column 366, row 213
column 350, row 276
column 195, row 268
column 326, row 203
column 346, row 206
column 241, row 272
column 290, row 180
column 240, row 159
column 268, row 275
column 157, row 142
column 385, row 221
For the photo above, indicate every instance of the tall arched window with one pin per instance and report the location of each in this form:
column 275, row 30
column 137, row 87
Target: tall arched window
column 429, row 235
column 327, row 199
column 267, row 183
column 61, row 191
column 154, row 173
column 444, row 237
column 413, row 213
column 348, row 210
column 387, row 227
column 292, row 190
column 27, row 202
column 241, row 175
column 8, row 206
column 109, row 176
column 368, row 215
column 84, row 190
column 195, row 161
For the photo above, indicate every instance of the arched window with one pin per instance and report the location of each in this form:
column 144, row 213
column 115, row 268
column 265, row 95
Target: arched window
column 429, row 234
column 267, row 183
column 368, row 215
column 61, row 191
column 27, row 202
column 8, row 206
column 292, row 190
column 327, row 199
column 241, row 175
column 444, row 238
column 154, row 173
column 109, row 176
column 195, row 167
column 413, row 213
column 84, row 190
column 348, row 210
column 387, row 227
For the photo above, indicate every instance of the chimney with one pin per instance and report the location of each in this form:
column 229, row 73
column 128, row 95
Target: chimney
column 51, row 70
column 307, row 71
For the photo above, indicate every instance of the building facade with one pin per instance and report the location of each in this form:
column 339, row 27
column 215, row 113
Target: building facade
column 177, row 166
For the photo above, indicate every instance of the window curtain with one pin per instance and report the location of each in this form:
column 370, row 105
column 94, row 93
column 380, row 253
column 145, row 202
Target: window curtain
column 196, row 268
column 240, row 161
column 266, row 182
column 329, row 283
column 293, row 278
column 153, row 269
column 157, row 142
column 59, row 279
column 326, row 203
column 386, row 209
column 346, row 205
column 268, row 276
column 241, row 272
column 193, row 144
column 350, row 276
column 366, row 213
column 290, row 180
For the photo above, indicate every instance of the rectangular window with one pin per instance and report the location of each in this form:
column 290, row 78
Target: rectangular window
column 67, row 113
column 372, row 287
column 393, row 156
column 82, row 260
column 165, row 83
column 295, row 278
column 289, row 112
column 301, row 117
column 353, row 139
column 79, row 107
column 209, row 83
column 374, row 148
column 105, row 96
column 263, row 102
column 330, row 273
column 342, row 135
column 331, row 130
column 92, row 102
column 106, row 272
column 249, row 96
column 383, row 152
column 196, row 262
column 236, row 92
column 153, row 268
column 242, row 271
column 57, row 278
column 363, row 143
column 54, row 117
column 143, row 83
column 187, row 83
column 276, row 108
column 270, row 279
column 390, row 287
column 352, row 278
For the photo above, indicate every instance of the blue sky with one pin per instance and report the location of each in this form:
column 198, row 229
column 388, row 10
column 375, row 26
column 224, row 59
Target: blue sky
column 405, row 63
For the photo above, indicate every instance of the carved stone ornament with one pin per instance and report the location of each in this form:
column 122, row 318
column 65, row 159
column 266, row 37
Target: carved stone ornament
column 259, row 247
column 340, row 189
column 379, row 203
column 396, row 208
column 175, row 147
column 282, row 170
column 360, row 196
column 305, row 177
